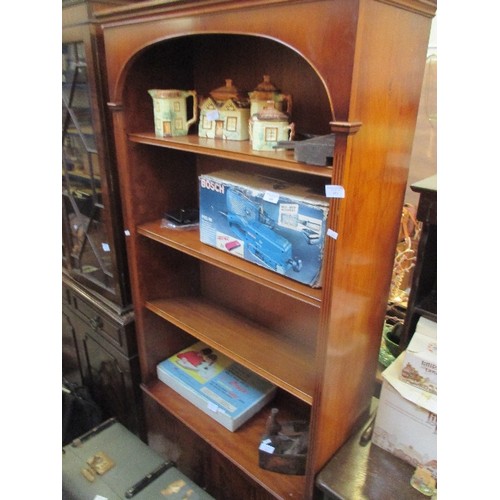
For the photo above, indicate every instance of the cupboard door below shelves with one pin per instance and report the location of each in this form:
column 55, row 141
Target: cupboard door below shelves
column 112, row 379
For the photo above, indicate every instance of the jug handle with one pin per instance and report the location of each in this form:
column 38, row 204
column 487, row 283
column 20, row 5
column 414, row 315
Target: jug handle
column 250, row 129
column 288, row 99
column 194, row 119
column 291, row 128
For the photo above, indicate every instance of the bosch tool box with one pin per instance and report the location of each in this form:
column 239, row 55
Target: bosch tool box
column 273, row 223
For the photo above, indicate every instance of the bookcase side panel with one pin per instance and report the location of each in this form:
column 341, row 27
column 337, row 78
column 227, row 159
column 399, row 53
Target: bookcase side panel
column 385, row 98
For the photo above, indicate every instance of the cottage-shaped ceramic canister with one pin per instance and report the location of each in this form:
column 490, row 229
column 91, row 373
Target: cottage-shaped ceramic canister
column 269, row 126
column 224, row 114
column 265, row 92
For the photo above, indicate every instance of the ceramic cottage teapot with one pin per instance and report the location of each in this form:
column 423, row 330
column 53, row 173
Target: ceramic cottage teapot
column 224, row 114
column 269, row 126
column 265, row 92
column 170, row 111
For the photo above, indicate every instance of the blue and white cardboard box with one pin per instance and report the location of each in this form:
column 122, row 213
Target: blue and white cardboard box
column 220, row 387
column 270, row 222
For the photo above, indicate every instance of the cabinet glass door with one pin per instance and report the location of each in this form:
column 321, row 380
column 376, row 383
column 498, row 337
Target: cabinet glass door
column 86, row 248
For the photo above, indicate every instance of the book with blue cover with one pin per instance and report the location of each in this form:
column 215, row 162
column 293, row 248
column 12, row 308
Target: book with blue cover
column 217, row 385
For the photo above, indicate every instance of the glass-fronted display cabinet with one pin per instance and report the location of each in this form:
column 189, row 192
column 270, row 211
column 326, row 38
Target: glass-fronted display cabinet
column 98, row 325
column 93, row 240
column 86, row 245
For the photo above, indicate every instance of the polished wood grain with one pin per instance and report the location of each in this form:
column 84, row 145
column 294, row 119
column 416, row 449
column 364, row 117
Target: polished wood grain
column 241, row 446
column 222, row 330
column 189, row 242
column 384, row 96
column 234, row 150
column 354, row 68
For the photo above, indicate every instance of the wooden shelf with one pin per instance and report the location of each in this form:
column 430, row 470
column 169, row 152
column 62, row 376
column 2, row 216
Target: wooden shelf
column 188, row 241
column 233, row 150
column 240, row 447
column 284, row 364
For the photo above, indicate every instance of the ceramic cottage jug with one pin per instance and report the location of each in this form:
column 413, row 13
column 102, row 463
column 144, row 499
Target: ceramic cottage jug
column 170, row 111
column 269, row 126
column 265, row 92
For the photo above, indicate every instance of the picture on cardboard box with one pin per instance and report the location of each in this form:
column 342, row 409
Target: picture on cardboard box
column 420, row 364
column 223, row 389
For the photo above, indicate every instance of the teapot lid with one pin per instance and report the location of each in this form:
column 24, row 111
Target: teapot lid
column 227, row 91
column 270, row 113
column 264, row 90
column 266, row 85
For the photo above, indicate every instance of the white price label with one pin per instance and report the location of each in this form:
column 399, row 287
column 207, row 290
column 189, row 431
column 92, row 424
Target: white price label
column 266, row 446
column 212, row 115
column 212, row 407
column 333, row 191
column 333, row 234
column 271, row 197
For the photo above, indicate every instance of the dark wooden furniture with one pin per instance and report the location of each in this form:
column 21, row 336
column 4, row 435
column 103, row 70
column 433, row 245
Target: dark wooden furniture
column 98, row 319
column 104, row 349
column 93, row 239
column 423, row 293
column 354, row 69
column 361, row 470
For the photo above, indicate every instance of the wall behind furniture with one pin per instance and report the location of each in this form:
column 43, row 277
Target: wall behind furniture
column 423, row 159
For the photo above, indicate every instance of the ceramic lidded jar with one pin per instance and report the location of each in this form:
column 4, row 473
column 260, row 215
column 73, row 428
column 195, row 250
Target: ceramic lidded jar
column 268, row 127
column 265, row 92
column 224, row 114
column 171, row 112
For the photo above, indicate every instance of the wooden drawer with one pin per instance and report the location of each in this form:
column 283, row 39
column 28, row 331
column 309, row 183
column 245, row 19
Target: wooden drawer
column 105, row 324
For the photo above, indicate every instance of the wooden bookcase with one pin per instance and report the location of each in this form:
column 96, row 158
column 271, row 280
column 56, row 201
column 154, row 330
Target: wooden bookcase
column 354, row 68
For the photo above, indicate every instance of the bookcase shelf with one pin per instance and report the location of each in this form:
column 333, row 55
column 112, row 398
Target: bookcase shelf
column 188, row 241
column 233, row 150
column 358, row 79
column 241, row 446
column 223, row 330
